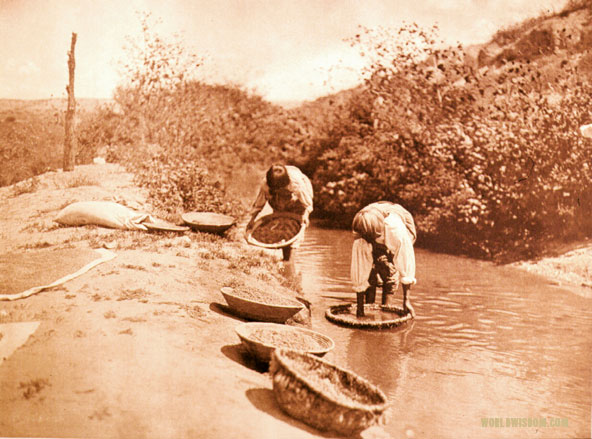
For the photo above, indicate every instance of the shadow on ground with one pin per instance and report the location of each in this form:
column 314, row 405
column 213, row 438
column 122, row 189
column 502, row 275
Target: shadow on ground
column 238, row 354
column 225, row 311
column 264, row 400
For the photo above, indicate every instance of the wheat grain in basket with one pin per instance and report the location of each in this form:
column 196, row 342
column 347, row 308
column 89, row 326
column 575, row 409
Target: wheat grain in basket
column 323, row 395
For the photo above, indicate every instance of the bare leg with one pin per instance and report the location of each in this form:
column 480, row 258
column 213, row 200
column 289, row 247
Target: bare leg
column 406, row 302
column 371, row 290
column 388, row 290
column 360, row 304
column 287, row 253
column 371, row 294
column 389, row 276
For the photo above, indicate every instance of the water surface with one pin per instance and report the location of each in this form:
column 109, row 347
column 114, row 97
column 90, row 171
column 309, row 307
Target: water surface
column 488, row 342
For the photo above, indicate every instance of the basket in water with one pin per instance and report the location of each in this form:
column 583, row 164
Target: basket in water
column 377, row 316
column 261, row 339
column 323, row 395
column 260, row 306
column 276, row 230
column 208, row 221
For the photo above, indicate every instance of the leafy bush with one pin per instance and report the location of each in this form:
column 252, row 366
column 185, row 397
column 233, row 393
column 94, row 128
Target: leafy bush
column 179, row 185
column 185, row 139
column 489, row 161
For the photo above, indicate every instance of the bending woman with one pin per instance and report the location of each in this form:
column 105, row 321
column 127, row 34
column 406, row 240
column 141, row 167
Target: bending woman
column 383, row 246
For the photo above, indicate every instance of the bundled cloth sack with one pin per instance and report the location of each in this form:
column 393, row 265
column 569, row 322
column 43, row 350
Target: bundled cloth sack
column 103, row 213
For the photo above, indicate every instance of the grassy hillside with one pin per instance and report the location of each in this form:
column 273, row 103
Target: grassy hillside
column 32, row 135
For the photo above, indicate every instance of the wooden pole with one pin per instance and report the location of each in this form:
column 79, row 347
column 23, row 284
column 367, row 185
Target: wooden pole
column 70, row 138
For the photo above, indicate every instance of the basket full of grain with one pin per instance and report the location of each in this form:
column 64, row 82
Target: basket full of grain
column 261, row 339
column 264, row 306
column 323, row 395
column 276, row 230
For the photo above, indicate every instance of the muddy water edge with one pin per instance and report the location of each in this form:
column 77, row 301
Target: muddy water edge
column 494, row 351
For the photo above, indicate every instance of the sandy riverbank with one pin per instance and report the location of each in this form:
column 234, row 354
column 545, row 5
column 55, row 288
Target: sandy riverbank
column 138, row 346
column 571, row 268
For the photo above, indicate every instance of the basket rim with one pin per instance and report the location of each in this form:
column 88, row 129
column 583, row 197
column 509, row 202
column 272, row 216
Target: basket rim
column 164, row 226
column 188, row 218
column 332, row 316
column 243, row 329
column 279, row 354
column 228, row 291
column 264, row 219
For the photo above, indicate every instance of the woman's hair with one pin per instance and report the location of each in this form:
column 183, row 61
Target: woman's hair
column 369, row 224
column 277, row 177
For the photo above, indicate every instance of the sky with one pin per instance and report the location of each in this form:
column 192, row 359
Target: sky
column 284, row 50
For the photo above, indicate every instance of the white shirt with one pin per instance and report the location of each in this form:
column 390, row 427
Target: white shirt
column 399, row 240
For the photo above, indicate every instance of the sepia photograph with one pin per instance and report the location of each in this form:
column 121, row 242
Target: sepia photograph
column 296, row 219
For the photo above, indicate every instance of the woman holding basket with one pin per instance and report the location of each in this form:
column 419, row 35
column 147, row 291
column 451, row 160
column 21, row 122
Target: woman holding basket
column 288, row 190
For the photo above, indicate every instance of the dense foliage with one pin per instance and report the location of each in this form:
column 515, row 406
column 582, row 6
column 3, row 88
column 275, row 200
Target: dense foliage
column 489, row 160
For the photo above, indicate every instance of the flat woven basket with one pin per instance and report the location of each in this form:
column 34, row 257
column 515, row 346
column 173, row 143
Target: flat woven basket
column 276, row 230
column 261, row 339
column 208, row 221
column 390, row 316
column 323, row 395
column 268, row 308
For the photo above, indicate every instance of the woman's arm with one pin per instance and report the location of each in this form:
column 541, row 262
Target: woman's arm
column 258, row 204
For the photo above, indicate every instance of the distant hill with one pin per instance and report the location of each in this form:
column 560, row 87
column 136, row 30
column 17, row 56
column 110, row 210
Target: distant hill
column 87, row 104
column 287, row 104
column 545, row 42
column 544, row 39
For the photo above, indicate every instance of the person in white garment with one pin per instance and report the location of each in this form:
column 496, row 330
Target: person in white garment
column 384, row 234
column 286, row 189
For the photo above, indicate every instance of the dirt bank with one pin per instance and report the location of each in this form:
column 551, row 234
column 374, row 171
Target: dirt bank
column 568, row 267
column 138, row 346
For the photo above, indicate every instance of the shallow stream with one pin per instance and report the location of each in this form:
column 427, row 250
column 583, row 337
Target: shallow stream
column 490, row 345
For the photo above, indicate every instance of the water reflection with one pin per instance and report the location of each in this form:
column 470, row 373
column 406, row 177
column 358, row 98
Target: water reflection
column 488, row 341
column 371, row 354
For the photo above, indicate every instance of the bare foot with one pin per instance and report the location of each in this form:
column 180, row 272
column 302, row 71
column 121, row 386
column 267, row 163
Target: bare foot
column 408, row 308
